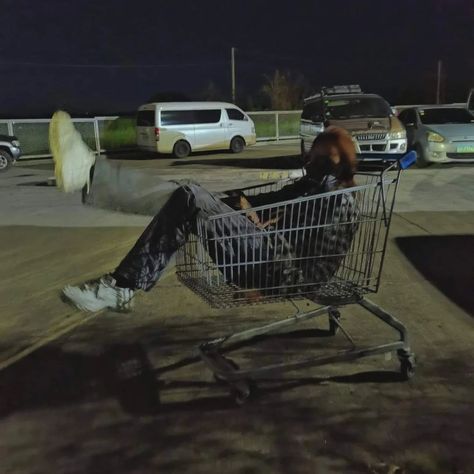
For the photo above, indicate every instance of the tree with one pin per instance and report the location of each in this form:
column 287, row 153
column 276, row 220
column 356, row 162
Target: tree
column 212, row 92
column 284, row 92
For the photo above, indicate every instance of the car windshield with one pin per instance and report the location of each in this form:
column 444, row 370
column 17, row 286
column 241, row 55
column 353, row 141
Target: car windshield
column 445, row 115
column 356, row 107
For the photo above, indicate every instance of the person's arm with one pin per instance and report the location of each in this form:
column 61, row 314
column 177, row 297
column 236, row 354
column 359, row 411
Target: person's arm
column 288, row 192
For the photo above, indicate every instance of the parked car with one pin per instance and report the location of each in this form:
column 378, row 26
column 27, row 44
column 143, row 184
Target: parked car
column 375, row 129
column 9, row 151
column 440, row 134
column 470, row 102
column 183, row 127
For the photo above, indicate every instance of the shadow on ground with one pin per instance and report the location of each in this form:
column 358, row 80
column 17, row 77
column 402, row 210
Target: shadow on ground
column 313, row 424
column 445, row 261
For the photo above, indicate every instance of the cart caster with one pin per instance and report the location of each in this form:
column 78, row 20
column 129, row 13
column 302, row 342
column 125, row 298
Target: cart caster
column 235, row 366
column 407, row 365
column 334, row 314
column 244, row 393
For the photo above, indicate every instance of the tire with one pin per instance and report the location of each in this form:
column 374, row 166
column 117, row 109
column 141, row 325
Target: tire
column 421, row 161
column 237, row 145
column 333, row 326
column 181, row 149
column 5, row 160
column 407, row 369
column 241, row 397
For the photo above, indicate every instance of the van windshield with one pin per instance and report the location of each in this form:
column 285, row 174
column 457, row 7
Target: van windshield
column 356, row 107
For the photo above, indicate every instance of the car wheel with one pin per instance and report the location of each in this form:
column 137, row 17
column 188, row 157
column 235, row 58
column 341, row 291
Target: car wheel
column 237, row 144
column 421, row 161
column 181, row 149
column 5, row 160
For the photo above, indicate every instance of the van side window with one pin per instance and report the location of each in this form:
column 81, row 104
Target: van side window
column 207, row 116
column 177, row 117
column 313, row 111
column 235, row 114
column 146, row 118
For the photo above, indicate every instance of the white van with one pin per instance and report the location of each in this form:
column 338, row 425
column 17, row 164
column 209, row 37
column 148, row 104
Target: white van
column 183, row 127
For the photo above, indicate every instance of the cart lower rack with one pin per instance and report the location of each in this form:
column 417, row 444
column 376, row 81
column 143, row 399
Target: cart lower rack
column 328, row 248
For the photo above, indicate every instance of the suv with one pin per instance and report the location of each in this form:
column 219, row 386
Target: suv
column 9, row 151
column 375, row 129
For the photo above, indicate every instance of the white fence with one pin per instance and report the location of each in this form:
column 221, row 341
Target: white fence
column 111, row 134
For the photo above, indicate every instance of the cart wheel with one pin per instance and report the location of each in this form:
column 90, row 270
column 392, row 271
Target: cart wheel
column 243, row 396
column 407, row 367
column 234, row 365
column 333, row 326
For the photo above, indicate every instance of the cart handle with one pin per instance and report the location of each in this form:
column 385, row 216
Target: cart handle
column 407, row 160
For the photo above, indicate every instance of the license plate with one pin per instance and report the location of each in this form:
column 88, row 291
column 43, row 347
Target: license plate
column 465, row 149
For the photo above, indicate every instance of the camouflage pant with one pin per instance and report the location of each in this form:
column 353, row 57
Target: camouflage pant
column 169, row 229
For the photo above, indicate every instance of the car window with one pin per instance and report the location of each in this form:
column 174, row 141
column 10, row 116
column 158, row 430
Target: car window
column 356, row 107
column 445, row 115
column 207, row 116
column 235, row 114
column 146, row 118
column 313, row 111
column 177, row 117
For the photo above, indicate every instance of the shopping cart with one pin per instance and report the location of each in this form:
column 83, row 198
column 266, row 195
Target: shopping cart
column 328, row 248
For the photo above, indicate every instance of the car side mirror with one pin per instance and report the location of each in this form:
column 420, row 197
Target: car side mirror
column 317, row 118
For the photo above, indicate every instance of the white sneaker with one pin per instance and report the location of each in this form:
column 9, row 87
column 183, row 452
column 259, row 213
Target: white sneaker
column 99, row 294
column 72, row 158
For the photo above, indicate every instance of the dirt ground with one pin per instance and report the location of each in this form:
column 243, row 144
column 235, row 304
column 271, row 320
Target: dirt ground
column 63, row 409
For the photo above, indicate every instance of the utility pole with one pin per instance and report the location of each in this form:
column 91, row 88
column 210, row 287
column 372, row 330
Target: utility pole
column 438, row 83
column 232, row 54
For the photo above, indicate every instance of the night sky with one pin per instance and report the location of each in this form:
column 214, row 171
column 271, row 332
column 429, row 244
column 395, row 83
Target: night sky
column 109, row 56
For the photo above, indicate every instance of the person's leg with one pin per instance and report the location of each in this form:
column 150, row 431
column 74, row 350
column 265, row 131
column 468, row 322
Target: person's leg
column 143, row 265
column 167, row 232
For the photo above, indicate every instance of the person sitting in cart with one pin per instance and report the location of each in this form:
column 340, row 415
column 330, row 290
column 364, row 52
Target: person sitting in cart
column 330, row 165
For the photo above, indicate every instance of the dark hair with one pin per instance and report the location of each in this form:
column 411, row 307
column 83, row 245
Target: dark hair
column 319, row 163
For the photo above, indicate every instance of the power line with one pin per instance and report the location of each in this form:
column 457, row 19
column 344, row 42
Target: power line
column 107, row 66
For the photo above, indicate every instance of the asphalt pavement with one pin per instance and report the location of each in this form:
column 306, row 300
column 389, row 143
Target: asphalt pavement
column 64, row 410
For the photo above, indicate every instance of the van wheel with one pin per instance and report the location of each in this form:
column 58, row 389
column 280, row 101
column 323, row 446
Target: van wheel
column 5, row 160
column 181, row 149
column 237, row 144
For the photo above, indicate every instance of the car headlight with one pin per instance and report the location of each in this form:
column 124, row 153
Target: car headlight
column 16, row 143
column 398, row 135
column 434, row 137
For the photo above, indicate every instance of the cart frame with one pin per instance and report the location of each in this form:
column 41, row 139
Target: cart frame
column 358, row 273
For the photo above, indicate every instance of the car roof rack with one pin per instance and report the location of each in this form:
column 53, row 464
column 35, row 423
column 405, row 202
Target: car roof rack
column 345, row 89
column 334, row 90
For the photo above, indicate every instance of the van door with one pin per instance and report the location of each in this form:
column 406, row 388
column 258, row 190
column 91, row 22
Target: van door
column 210, row 130
column 470, row 102
column 146, row 123
column 238, row 124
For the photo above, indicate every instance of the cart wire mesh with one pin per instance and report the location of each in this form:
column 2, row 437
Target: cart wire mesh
column 327, row 247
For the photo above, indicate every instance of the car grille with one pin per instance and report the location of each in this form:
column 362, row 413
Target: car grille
column 461, row 156
column 370, row 136
column 373, row 147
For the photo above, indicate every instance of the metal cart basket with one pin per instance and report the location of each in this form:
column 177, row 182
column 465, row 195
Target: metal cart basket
column 328, row 248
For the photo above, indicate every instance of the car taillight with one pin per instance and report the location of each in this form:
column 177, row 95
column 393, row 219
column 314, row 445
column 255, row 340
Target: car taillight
column 157, row 133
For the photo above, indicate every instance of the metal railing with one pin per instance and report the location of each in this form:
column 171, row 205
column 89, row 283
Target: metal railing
column 109, row 134
column 113, row 133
